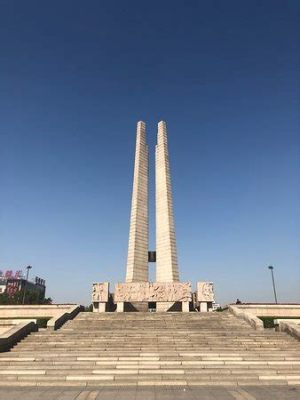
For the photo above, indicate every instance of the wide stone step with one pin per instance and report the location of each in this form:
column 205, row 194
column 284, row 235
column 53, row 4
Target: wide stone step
column 156, row 348
column 156, row 343
column 163, row 334
column 203, row 365
column 191, row 363
column 112, row 351
column 98, row 356
column 146, row 379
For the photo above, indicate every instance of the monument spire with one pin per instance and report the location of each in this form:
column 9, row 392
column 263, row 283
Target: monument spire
column 166, row 253
column 137, row 260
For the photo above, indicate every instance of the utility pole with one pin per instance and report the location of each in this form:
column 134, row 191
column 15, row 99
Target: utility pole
column 271, row 268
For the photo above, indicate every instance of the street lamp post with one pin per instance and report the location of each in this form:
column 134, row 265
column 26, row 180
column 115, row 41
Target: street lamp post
column 25, row 287
column 271, row 268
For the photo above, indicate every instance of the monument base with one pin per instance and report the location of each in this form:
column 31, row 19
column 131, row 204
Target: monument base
column 120, row 306
column 99, row 307
column 153, row 296
column 141, row 306
column 185, row 306
column 164, row 306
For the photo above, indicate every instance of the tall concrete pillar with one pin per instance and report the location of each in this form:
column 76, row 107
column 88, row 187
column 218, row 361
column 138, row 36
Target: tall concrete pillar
column 137, row 260
column 166, row 253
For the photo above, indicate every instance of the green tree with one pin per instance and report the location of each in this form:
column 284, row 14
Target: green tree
column 31, row 297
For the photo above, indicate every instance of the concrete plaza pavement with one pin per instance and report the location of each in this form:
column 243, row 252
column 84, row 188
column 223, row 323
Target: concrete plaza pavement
column 153, row 393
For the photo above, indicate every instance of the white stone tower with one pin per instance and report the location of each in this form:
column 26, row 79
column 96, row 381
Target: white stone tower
column 137, row 260
column 166, row 253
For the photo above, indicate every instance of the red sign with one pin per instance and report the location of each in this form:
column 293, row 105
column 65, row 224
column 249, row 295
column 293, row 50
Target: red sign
column 9, row 274
column 12, row 288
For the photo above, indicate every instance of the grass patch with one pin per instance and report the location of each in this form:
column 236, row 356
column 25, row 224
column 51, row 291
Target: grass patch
column 269, row 321
column 42, row 322
column 221, row 309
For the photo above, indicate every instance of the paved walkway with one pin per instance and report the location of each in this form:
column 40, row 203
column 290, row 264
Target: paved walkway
column 154, row 393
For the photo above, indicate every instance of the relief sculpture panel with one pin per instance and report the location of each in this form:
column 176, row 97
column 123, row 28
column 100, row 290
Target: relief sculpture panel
column 157, row 291
column 100, row 292
column 205, row 291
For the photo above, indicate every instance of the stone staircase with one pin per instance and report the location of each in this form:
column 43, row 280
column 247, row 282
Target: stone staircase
column 129, row 349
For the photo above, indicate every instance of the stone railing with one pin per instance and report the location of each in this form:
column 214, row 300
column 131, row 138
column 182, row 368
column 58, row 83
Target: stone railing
column 251, row 319
column 58, row 313
column 290, row 326
column 251, row 312
column 57, row 321
column 14, row 332
column 271, row 310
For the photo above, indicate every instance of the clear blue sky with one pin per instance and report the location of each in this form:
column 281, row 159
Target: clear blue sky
column 75, row 76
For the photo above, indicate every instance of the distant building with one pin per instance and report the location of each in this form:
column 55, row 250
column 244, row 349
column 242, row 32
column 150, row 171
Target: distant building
column 215, row 306
column 11, row 283
column 2, row 286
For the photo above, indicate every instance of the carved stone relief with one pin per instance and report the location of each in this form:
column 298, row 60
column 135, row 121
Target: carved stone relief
column 156, row 292
column 205, row 291
column 100, row 292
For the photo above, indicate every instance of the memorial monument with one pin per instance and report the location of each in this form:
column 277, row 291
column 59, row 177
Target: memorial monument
column 167, row 292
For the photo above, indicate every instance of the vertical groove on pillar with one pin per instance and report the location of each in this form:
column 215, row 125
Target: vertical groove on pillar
column 137, row 260
column 166, row 254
